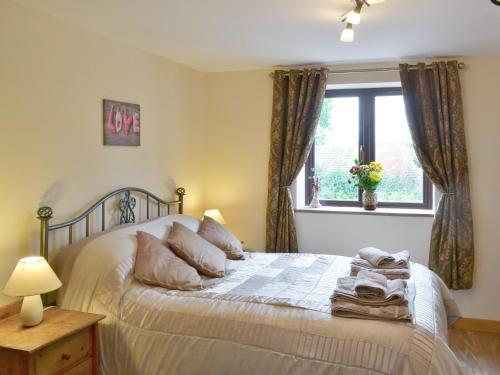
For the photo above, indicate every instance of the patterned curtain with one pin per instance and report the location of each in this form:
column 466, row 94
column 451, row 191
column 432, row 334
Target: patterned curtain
column 434, row 110
column 297, row 99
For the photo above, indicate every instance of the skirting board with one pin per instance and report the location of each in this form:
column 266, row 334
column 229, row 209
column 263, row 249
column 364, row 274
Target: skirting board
column 479, row 325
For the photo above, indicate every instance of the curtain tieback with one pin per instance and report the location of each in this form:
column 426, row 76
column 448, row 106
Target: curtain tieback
column 285, row 187
column 448, row 195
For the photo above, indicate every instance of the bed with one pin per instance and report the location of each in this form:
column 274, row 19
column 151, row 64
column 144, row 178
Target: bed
column 270, row 314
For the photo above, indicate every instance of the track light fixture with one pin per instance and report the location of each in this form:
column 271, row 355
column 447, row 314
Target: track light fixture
column 353, row 17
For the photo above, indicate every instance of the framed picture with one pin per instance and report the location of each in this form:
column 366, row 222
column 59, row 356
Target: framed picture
column 121, row 123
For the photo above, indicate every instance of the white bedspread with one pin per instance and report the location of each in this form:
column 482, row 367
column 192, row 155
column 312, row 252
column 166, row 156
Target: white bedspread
column 269, row 315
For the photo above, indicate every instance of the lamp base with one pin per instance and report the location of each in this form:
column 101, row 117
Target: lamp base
column 32, row 310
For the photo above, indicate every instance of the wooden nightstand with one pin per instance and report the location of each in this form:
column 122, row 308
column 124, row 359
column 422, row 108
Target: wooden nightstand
column 64, row 343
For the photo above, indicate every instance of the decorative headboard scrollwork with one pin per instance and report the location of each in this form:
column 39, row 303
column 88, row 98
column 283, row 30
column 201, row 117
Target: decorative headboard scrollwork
column 126, row 207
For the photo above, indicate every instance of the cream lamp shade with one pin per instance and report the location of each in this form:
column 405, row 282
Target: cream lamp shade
column 31, row 277
column 216, row 215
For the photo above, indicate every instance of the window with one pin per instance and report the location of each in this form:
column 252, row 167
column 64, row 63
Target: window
column 366, row 124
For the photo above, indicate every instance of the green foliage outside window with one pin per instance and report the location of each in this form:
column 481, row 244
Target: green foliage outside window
column 395, row 188
column 323, row 123
column 334, row 185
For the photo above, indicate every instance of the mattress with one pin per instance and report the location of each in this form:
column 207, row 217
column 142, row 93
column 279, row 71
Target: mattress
column 269, row 315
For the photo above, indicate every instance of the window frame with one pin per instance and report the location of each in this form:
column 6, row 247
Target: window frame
column 367, row 141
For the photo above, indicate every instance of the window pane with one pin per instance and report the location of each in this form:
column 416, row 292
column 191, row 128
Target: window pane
column 403, row 176
column 336, row 146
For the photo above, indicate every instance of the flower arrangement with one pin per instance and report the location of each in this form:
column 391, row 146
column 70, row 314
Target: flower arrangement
column 366, row 176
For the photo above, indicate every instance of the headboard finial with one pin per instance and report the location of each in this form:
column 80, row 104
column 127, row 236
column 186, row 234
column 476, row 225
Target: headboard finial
column 180, row 191
column 44, row 212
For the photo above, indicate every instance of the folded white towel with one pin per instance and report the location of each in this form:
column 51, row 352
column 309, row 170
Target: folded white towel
column 353, row 310
column 370, row 285
column 358, row 264
column 345, row 292
column 381, row 259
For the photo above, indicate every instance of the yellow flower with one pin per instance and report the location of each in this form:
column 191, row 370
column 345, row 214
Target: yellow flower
column 376, row 166
column 375, row 176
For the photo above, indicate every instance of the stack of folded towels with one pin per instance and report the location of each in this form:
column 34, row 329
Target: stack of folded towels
column 392, row 266
column 376, row 288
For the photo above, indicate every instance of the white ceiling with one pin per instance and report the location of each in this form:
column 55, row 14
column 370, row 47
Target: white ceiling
column 219, row 35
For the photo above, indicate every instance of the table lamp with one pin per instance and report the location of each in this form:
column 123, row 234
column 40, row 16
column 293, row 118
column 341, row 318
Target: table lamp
column 31, row 277
column 216, row 215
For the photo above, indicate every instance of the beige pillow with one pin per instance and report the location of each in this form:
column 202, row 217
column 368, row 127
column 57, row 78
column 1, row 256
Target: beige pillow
column 219, row 236
column 156, row 264
column 199, row 253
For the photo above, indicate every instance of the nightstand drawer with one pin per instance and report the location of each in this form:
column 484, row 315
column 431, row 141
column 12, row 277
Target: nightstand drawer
column 63, row 353
column 84, row 368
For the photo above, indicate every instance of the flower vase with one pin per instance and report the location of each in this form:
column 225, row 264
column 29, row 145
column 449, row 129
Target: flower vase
column 315, row 200
column 370, row 200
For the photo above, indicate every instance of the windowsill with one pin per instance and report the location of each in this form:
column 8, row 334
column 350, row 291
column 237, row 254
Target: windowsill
column 360, row 211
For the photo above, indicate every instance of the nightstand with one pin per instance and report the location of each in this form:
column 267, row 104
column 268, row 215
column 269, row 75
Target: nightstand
column 65, row 342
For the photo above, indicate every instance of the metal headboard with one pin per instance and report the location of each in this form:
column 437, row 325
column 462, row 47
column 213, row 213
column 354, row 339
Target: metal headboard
column 126, row 210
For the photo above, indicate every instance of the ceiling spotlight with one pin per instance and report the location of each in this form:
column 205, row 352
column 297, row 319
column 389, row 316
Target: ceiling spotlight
column 496, row 2
column 348, row 34
column 354, row 16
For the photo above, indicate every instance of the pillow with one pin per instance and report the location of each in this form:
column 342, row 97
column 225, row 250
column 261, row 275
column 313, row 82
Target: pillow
column 199, row 253
column 191, row 222
column 156, row 264
column 219, row 236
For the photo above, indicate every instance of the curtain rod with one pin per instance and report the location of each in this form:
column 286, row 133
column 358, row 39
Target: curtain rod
column 461, row 65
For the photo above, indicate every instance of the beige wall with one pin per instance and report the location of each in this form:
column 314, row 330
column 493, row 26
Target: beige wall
column 53, row 77
column 481, row 93
column 239, row 113
column 239, row 121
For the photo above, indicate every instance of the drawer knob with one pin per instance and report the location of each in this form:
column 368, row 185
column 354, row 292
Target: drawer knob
column 66, row 356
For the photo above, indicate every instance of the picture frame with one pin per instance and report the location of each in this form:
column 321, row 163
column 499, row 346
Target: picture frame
column 121, row 123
